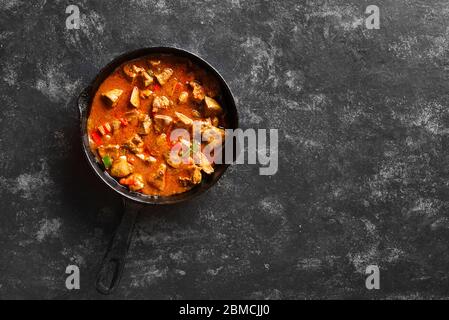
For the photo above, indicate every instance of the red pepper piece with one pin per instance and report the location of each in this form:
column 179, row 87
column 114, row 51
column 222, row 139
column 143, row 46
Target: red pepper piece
column 96, row 137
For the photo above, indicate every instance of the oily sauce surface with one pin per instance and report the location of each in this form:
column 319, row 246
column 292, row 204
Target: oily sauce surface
column 110, row 140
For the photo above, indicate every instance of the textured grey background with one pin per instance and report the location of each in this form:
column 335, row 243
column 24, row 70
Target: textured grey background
column 364, row 129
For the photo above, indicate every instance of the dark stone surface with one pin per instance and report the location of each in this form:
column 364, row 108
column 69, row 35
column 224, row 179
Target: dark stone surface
column 363, row 176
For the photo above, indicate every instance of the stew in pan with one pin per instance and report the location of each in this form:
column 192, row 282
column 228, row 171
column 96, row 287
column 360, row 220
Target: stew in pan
column 134, row 112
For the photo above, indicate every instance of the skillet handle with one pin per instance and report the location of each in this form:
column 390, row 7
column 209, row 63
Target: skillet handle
column 114, row 261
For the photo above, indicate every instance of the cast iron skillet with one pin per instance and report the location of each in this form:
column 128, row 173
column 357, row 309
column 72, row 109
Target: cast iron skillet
column 114, row 261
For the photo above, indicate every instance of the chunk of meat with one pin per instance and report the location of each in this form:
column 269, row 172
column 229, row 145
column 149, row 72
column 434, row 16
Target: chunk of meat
column 146, row 78
column 135, row 182
column 157, row 178
column 161, row 140
column 183, row 97
column 161, row 122
column 161, row 102
column 211, row 107
column 112, row 150
column 135, row 144
column 173, row 161
column 135, row 98
column 202, row 162
column 183, row 121
column 132, row 117
column 132, row 71
column 205, row 124
column 185, row 143
column 198, row 91
column 146, row 157
column 163, row 77
column 195, row 177
column 212, row 134
column 179, row 156
column 111, row 97
column 121, row 168
column 144, row 126
column 196, row 113
column 162, row 145
column 128, row 70
column 138, row 69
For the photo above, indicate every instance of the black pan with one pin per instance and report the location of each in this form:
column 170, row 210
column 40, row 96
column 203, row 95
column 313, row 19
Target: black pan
column 114, row 261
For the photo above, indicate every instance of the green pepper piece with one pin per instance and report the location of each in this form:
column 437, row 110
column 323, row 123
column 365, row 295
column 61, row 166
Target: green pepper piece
column 107, row 161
